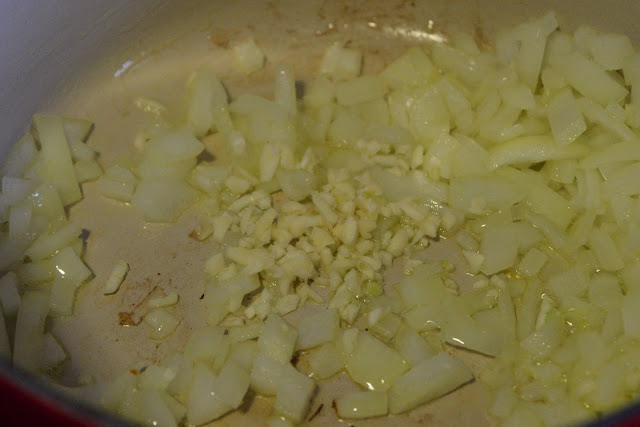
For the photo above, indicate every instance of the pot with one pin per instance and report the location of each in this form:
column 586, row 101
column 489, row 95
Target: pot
column 93, row 59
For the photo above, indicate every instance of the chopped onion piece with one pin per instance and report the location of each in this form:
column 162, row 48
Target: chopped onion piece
column 162, row 200
column 5, row 344
column 293, row 396
column 340, row 62
column 15, row 190
column 363, row 404
column 208, row 344
column 374, row 365
column 412, row 68
column 70, row 273
column 19, row 220
column 325, row 361
column 28, row 344
column 244, row 354
column 9, row 296
column 429, row 380
column 36, row 272
column 605, row 250
column 532, row 262
column 589, row 78
column 317, row 329
column 285, row 88
column 248, row 56
column 360, row 89
column 208, row 105
column 203, row 404
column 278, row 339
column 156, row 378
column 464, row 331
column 267, row 373
column 21, row 155
column 160, row 323
column 87, row 170
column 147, row 407
column 118, row 273
column 46, row 202
column 77, row 129
column 173, row 147
column 47, row 245
column 296, row 184
column 532, row 149
column 565, row 118
column 611, row 50
column 117, row 183
column 232, row 384
column 54, row 354
column 166, row 301
column 412, row 346
column 57, row 163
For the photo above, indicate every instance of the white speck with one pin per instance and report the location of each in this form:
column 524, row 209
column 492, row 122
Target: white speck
column 124, row 68
column 457, row 340
column 415, row 34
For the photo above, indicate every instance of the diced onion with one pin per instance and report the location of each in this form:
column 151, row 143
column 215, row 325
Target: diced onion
column 168, row 300
column 278, row 339
column 28, row 345
column 160, row 323
column 293, row 396
column 54, row 354
column 9, row 296
column 428, row 380
column 116, row 278
column 363, row 404
column 203, row 404
column 374, row 365
column 5, row 344
column 70, row 273
column 248, row 56
column 57, row 163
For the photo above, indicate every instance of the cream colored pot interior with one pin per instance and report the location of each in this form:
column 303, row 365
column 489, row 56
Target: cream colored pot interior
column 92, row 59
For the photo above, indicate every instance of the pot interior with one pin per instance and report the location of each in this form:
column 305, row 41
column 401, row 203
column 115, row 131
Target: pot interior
column 149, row 53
